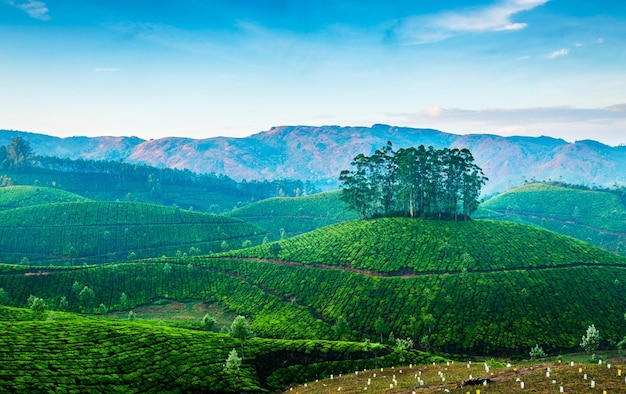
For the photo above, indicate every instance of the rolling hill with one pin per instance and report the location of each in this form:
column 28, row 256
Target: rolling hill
column 594, row 216
column 95, row 232
column 70, row 353
column 22, row 196
column 318, row 154
column 478, row 287
column 295, row 215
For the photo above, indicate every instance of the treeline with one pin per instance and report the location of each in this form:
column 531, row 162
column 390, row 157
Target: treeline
column 117, row 180
column 416, row 182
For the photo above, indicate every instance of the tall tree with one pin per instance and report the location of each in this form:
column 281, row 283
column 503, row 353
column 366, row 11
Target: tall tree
column 240, row 328
column 425, row 182
column 18, row 152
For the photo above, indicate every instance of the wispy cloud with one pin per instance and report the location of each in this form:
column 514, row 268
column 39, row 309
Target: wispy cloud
column 495, row 18
column 34, row 9
column 559, row 53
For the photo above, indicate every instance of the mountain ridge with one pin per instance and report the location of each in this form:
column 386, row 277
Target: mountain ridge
column 319, row 153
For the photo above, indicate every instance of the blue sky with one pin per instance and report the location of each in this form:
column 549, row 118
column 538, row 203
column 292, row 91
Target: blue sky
column 199, row 69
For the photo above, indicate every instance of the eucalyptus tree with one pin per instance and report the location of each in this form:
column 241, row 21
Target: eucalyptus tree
column 424, row 182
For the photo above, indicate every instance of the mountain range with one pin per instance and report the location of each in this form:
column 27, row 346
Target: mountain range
column 318, row 154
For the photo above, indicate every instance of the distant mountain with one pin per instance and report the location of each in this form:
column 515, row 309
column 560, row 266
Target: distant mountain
column 318, row 154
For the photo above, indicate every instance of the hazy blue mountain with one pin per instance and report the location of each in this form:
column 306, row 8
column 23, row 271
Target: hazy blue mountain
column 319, row 153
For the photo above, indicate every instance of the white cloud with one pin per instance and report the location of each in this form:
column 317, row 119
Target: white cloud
column 433, row 112
column 559, row 53
column 495, row 18
column 606, row 124
column 34, row 9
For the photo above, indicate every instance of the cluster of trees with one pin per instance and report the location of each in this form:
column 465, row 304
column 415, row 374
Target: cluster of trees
column 19, row 154
column 418, row 182
column 16, row 154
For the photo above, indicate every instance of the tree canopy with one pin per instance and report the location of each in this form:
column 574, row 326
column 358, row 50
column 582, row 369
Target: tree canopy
column 416, row 182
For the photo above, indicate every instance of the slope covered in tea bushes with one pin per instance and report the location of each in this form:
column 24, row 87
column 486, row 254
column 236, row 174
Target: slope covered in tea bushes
column 295, row 215
column 94, row 232
column 400, row 245
column 78, row 354
column 23, row 196
column 594, row 216
column 520, row 285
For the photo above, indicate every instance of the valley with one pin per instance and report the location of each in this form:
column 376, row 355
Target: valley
column 136, row 284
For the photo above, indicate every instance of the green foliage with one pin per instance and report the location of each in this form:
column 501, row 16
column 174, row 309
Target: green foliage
column 240, row 328
column 233, row 362
column 97, row 232
column 118, row 181
column 342, row 329
column 401, row 245
column 400, row 275
column 537, row 352
column 295, row 215
column 591, row 339
column 87, row 299
column 594, row 216
column 413, row 182
column 23, row 196
column 38, row 306
column 17, row 154
column 404, row 344
column 208, row 323
column 4, row 297
column 75, row 354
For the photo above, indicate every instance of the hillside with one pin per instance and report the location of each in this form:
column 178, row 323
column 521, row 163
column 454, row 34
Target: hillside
column 118, row 181
column 72, row 353
column 295, row 215
column 95, row 232
column 399, row 246
column 318, row 154
column 594, row 216
column 22, row 196
column 472, row 287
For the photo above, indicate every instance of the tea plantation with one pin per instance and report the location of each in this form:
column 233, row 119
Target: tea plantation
column 289, row 216
column 464, row 288
column 23, row 196
column 95, row 232
column 594, row 216
column 69, row 353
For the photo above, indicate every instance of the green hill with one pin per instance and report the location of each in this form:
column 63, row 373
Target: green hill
column 79, row 354
column 595, row 216
column 477, row 287
column 94, row 232
column 119, row 181
column 22, row 196
column 406, row 246
column 295, row 215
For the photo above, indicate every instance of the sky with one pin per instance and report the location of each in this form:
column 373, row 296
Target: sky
column 205, row 68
